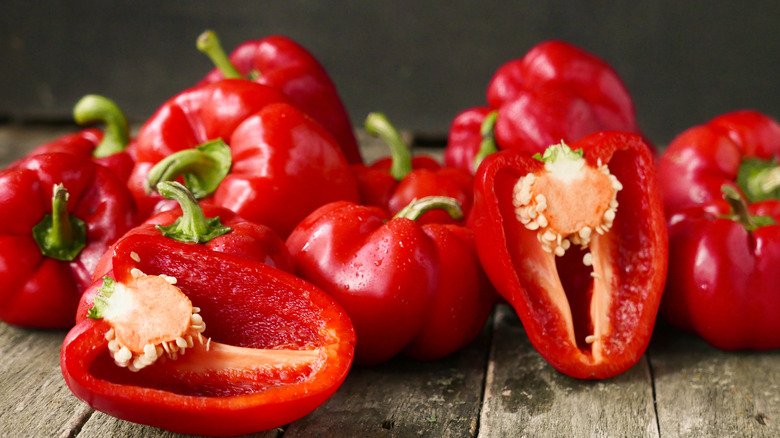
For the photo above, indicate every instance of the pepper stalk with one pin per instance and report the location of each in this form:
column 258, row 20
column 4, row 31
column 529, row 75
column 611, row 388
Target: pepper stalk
column 60, row 235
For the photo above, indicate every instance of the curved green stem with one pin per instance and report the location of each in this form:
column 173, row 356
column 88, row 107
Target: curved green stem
column 759, row 179
column 378, row 126
column 488, row 144
column 740, row 211
column 202, row 168
column 208, row 43
column 59, row 235
column 192, row 225
column 93, row 108
column 418, row 207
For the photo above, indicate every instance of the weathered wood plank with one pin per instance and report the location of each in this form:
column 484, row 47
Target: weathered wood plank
column 34, row 400
column 525, row 396
column 405, row 398
column 101, row 425
column 17, row 140
column 704, row 392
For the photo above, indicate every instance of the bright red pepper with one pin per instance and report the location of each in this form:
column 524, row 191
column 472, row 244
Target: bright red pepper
column 576, row 243
column 722, row 272
column 471, row 138
column 216, row 228
column 113, row 149
column 393, row 182
column 58, row 213
column 386, row 273
column 263, row 348
column 281, row 63
column 739, row 149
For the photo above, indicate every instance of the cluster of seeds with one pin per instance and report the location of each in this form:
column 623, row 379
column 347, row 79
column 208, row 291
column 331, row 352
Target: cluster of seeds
column 530, row 210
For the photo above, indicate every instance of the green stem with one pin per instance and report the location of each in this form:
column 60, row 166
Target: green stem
column 208, row 43
column 202, row 168
column 59, row 235
column 378, row 126
column 418, row 207
column 759, row 179
column 192, row 225
column 93, row 108
column 488, row 144
column 740, row 211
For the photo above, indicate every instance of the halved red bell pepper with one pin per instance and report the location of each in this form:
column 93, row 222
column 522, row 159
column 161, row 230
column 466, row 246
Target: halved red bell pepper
column 218, row 345
column 575, row 241
column 395, row 181
column 281, row 63
column 58, row 214
column 387, row 273
column 217, row 228
column 739, row 149
column 723, row 261
column 113, row 148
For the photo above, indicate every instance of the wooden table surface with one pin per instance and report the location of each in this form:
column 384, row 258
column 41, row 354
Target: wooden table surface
column 497, row 387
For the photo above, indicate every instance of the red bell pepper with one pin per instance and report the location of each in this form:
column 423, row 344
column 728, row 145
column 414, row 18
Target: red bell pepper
column 575, row 241
column 281, row 63
column 193, row 341
column 557, row 92
column 386, row 273
column 113, row 149
column 723, row 259
column 217, row 228
column 739, row 149
column 471, row 138
column 393, row 182
column 58, row 213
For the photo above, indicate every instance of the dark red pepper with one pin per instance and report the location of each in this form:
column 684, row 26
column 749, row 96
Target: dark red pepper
column 575, row 241
column 113, row 148
column 386, row 273
column 225, row 345
column 281, row 63
column 58, row 213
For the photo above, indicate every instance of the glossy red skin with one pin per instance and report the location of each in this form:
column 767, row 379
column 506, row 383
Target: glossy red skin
column 464, row 138
column 285, row 165
column 464, row 296
column 246, row 239
column 557, row 91
column 240, row 300
column 287, row 66
column 722, row 282
column 702, row 159
column 83, row 143
column 427, row 178
column 191, row 118
column 383, row 272
column 509, row 252
column 40, row 291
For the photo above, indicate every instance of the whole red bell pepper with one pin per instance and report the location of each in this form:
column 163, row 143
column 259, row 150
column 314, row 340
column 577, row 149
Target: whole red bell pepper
column 217, row 228
column 193, row 341
column 739, row 149
column 281, row 63
column 59, row 213
column 471, row 138
column 389, row 276
column 575, row 240
column 395, row 181
column 723, row 259
column 113, row 148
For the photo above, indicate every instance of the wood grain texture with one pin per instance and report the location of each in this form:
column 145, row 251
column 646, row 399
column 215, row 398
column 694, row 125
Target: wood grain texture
column 526, row 397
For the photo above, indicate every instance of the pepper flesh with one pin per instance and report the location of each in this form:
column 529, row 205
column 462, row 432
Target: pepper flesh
column 589, row 316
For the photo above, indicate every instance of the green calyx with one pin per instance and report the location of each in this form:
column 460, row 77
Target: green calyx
column 559, row 152
column 418, row 207
column 488, row 144
column 208, row 43
column 759, row 179
column 739, row 210
column 378, row 125
column 100, row 304
column 203, row 168
column 60, row 235
column 92, row 109
column 192, row 225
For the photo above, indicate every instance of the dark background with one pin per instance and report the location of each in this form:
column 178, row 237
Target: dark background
column 421, row 63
